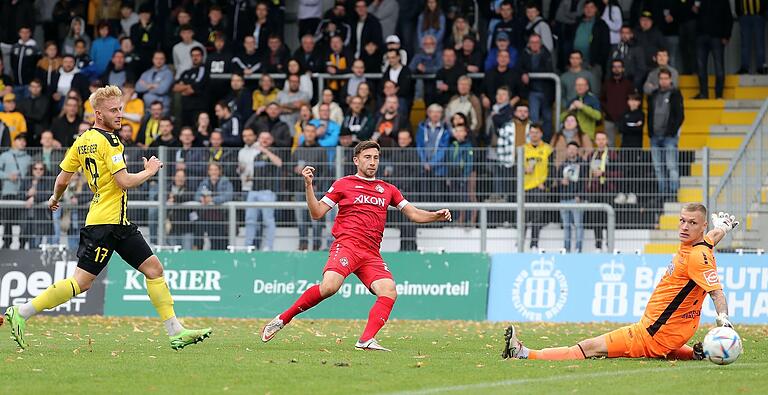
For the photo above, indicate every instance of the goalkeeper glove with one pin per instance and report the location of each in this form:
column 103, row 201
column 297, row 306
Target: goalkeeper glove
column 722, row 320
column 724, row 221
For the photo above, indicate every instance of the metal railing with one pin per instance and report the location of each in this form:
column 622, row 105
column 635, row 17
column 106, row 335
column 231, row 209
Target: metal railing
column 740, row 188
column 483, row 199
column 322, row 77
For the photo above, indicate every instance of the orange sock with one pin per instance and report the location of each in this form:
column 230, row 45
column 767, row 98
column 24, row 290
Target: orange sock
column 557, row 354
column 684, row 353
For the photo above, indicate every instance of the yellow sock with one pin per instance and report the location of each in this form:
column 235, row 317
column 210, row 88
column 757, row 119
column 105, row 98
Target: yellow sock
column 58, row 293
column 161, row 298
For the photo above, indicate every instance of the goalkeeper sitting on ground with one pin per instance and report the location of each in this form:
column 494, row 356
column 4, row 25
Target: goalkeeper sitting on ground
column 673, row 311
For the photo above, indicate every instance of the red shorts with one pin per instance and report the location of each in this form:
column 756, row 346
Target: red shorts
column 347, row 258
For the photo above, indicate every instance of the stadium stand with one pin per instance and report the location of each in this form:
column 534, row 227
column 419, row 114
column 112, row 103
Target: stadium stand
column 51, row 64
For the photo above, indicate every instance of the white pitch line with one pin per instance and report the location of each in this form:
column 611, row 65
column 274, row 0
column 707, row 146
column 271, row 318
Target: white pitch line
column 505, row 383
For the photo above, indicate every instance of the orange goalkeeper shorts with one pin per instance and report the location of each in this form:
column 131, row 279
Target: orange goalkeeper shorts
column 633, row 341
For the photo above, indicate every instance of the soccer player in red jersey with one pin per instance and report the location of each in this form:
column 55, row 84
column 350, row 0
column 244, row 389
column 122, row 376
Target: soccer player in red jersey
column 358, row 229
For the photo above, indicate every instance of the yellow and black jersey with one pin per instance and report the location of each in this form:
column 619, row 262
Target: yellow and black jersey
column 100, row 154
column 538, row 158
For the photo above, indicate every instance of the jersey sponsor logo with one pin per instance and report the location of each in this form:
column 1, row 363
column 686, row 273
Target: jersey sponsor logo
column 344, row 261
column 542, row 293
column 611, row 293
column 379, row 189
column 365, row 199
column 710, row 276
column 117, row 158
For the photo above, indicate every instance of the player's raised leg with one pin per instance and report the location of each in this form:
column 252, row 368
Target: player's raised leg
column 315, row 294
column 594, row 347
column 58, row 293
column 379, row 314
column 160, row 296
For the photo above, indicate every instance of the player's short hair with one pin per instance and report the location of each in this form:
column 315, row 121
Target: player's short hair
column 105, row 93
column 364, row 145
column 691, row 207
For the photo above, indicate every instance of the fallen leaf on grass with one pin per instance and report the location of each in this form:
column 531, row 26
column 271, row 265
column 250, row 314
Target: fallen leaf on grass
column 479, row 365
column 419, row 364
column 342, row 364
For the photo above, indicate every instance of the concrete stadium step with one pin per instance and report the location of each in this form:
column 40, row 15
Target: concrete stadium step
column 729, row 129
column 753, row 80
column 743, row 104
column 716, row 169
column 692, row 81
column 716, row 155
column 698, row 141
column 698, row 181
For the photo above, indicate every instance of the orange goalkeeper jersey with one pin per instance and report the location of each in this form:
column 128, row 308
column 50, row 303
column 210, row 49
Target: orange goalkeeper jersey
column 674, row 309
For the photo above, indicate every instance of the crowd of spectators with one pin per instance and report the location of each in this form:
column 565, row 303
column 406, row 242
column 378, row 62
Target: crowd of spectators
column 189, row 68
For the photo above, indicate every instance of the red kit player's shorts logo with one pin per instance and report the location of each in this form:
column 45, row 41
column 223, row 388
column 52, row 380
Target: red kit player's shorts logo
column 379, row 189
column 344, row 261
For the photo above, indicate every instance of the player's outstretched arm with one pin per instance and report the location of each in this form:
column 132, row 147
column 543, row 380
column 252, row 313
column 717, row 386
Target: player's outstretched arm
column 722, row 223
column 420, row 216
column 62, row 181
column 317, row 210
column 721, row 307
column 127, row 180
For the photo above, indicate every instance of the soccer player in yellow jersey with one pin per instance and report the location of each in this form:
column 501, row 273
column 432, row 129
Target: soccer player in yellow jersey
column 672, row 315
column 99, row 152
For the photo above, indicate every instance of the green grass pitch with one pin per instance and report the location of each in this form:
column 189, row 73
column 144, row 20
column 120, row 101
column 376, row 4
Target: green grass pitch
column 71, row 355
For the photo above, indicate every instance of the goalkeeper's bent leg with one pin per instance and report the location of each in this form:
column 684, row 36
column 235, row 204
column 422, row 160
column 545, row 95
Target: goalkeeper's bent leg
column 58, row 293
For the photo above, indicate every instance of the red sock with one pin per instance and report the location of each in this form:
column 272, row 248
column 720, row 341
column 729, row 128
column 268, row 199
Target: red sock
column 377, row 317
column 310, row 298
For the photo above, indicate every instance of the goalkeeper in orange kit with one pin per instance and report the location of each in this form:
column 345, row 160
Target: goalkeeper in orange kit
column 674, row 309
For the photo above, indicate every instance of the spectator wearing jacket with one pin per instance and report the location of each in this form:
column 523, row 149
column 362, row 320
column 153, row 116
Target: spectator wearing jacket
column 212, row 193
column 459, row 159
column 24, row 56
column 541, row 93
column 586, row 107
column 432, row 138
column 713, row 31
column 593, row 39
column 613, row 99
column 665, row 118
column 155, row 83
column 568, row 182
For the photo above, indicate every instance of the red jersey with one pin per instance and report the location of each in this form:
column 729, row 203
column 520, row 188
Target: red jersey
column 363, row 206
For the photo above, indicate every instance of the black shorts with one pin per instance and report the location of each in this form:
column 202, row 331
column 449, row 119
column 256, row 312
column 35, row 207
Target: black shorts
column 97, row 242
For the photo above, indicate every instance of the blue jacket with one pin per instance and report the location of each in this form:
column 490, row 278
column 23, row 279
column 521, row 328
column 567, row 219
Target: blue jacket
column 164, row 79
column 432, row 63
column 102, row 50
column 460, row 157
column 329, row 140
column 431, row 144
column 222, row 193
column 490, row 60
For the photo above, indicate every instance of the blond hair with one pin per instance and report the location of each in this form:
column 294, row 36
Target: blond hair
column 103, row 94
column 691, row 207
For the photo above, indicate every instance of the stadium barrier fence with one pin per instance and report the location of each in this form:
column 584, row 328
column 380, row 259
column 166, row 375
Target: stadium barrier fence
column 741, row 190
column 482, row 193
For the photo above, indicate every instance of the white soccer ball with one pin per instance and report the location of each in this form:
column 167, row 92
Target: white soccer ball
column 722, row 345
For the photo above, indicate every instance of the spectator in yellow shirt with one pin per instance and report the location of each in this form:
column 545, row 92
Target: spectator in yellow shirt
column 133, row 108
column 266, row 94
column 12, row 118
column 537, row 168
